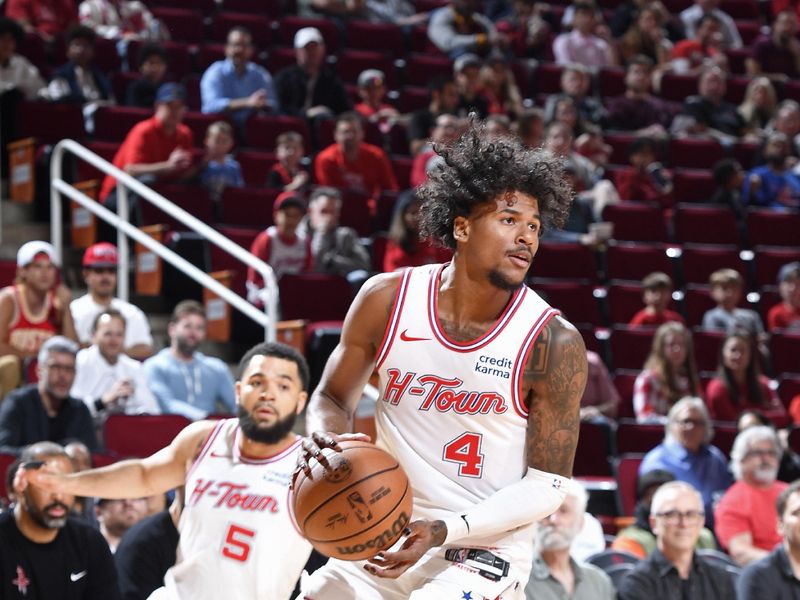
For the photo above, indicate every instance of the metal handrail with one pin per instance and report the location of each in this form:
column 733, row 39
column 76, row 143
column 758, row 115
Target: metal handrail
column 124, row 229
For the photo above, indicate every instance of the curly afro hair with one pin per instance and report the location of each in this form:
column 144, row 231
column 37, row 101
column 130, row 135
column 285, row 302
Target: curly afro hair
column 479, row 168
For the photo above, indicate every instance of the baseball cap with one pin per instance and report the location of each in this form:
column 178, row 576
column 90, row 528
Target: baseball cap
column 306, row 35
column 287, row 199
column 30, row 250
column 100, row 255
column 371, row 77
column 168, row 92
column 656, row 477
column 466, row 60
column 791, row 269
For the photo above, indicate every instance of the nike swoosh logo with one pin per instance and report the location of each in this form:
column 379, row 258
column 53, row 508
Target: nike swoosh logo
column 76, row 576
column 215, row 455
column 407, row 338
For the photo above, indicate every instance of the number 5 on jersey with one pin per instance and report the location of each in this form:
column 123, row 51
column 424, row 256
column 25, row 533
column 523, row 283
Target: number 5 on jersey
column 465, row 451
column 237, row 542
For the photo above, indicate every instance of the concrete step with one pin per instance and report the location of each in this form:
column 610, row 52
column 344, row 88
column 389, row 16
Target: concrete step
column 17, row 227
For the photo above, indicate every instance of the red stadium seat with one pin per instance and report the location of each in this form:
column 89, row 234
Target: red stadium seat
column 624, row 380
column 634, row 261
column 378, row 250
column 350, row 64
column 105, row 150
column 421, row 43
column 630, row 346
column 677, row 87
column 768, row 261
column 699, row 261
column 745, row 152
column 255, row 166
column 185, row 25
column 724, row 436
column 388, row 37
column 594, row 450
column 773, row 228
column 272, row 9
column 611, row 81
column 695, row 153
column 106, row 56
column 789, row 389
column 198, row 122
column 248, row 207
column 576, row 301
column 625, row 300
column 707, row 345
column 626, row 470
column 290, row 24
column 50, row 122
column 564, row 261
column 112, row 123
column 6, row 460
column 179, row 57
column 636, row 222
column 141, row 435
column 191, row 198
column 259, row 26
column 638, row 437
column 547, row 79
column 412, row 98
column 737, row 58
column 785, row 352
column 697, row 301
column 692, row 224
column 8, row 271
column 356, row 212
column 421, row 68
column 401, row 165
column 207, row 7
column 619, row 142
column 221, row 260
column 315, row 297
column 261, row 130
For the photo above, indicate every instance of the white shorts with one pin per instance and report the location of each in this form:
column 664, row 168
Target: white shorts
column 433, row 577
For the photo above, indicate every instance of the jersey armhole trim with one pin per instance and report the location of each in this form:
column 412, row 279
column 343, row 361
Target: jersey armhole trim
column 522, row 359
column 206, row 447
column 391, row 327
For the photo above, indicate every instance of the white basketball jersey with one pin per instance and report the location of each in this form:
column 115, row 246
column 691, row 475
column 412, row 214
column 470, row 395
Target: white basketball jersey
column 452, row 412
column 238, row 537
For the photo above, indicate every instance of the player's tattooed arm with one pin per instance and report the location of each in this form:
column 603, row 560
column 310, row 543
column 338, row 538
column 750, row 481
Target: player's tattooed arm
column 554, row 379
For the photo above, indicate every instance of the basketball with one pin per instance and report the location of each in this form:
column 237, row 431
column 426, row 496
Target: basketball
column 356, row 508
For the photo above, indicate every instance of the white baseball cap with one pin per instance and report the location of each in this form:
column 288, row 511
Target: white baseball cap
column 306, row 35
column 30, row 250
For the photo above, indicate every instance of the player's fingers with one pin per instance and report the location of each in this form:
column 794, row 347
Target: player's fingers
column 354, row 437
column 390, row 573
column 325, row 440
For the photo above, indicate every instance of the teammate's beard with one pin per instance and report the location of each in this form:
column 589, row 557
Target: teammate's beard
column 265, row 435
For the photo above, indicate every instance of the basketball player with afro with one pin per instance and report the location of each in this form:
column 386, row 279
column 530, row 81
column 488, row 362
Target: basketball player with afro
column 237, row 474
column 480, row 384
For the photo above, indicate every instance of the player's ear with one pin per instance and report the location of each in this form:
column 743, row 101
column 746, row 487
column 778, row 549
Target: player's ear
column 237, row 387
column 460, row 229
column 302, row 398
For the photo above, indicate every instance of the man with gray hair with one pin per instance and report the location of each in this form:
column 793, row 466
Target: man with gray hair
column 687, row 453
column 673, row 570
column 45, row 410
column 336, row 250
column 554, row 573
column 746, row 517
column 44, row 551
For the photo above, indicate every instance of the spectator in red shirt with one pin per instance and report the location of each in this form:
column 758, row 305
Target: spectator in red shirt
column 350, row 163
column 739, row 384
column 656, row 294
column 45, row 18
column 157, row 148
column 405, row 248
column 373, row 108
column 647, row 181
column 280, row 246
column 786, row 315
column 693, row 55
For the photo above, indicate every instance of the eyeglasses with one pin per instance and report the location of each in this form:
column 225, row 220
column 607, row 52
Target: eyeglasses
column 674, row 516
column 62, row 368
column 691, row 423
column 761, row 454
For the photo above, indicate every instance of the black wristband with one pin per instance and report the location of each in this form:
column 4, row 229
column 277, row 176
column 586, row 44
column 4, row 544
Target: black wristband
column 98, row 404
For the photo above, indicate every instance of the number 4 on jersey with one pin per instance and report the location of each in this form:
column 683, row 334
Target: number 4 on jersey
column 465, row 451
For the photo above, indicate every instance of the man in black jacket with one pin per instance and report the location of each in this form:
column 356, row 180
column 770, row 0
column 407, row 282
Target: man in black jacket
column 45, row 411
column 46, row 554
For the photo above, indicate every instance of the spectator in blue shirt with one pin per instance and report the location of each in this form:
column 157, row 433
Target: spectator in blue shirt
column 184, row 381
column 687, row 453
column 221, row 169
column 773, row 185
column 236, row 85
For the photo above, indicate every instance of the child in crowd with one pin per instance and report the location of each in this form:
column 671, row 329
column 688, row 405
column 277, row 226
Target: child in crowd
column 656, row 294
column 221, row 169
column 373, row 108
column 153, row 67
column 786, row 315
column 647, row 181
column 726, row 290
column 288, row 174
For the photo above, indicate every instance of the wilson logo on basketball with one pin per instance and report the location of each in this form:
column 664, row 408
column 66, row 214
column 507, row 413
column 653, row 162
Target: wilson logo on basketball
column 379, row 541
column 231, row 495
column 442, row 394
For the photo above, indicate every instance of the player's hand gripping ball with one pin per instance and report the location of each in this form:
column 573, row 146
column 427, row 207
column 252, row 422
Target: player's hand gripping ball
column 356, row 507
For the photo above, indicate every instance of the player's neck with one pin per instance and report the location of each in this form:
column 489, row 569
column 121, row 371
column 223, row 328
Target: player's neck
column 466, row 300
column 31, row 529
column 259, row 450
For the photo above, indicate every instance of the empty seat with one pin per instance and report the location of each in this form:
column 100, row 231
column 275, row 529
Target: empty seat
column 141, row 435
column 269, row 8
column 785, row 352
column 773, row 228
column 677, row 87
column 768, row 261
column 185, row 25
column 707, row 346
column 695, row 153
column 611, row 81
column 633, row 437
column 576, row 301
column 636, row 222
column 626, row 471
column 699, row 261
column 105, row 150
column 724, row 436
column 191, row 198
column 259, row 26
column 112, row 123
column 630, row 346
column 421, row 68
column 388, row 37
column 50, row 122
column 789, row 389
column 255, row 166
column 623, row 380
column 594, row 450
column 6, row 461
column 564, row 261
column 248, row 207
column 222, row 261
column 412, row 98
column 261, row 130
column 706, row 224
column 207, row 7
column 634, row 261
column 356, row 212
column 619, row 142
column 547, row 78
column 697, row 301
column 315, row 297
column 351, row 63
column 402, row 165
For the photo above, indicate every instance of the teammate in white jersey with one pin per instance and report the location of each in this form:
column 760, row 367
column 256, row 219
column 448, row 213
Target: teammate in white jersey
column 480, row 384
column 237, row 535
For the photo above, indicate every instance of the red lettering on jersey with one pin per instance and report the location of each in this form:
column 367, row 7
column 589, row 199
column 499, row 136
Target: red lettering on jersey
column 200, row 488
column 445, row 395
column 394, row 388
column 231, row 498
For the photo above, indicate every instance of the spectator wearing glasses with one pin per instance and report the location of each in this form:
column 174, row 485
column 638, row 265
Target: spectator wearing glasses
column 687, row 453
column 673, row 570
column 100, row 275
column 746, row 518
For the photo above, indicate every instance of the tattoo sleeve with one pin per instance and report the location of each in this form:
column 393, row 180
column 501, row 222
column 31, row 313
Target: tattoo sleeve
column 555, row 377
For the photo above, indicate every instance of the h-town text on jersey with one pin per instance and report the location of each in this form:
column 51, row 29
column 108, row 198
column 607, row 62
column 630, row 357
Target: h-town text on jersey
column 231, row 495
column 441, row 394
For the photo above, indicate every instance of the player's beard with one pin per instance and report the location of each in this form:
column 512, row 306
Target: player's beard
column 500, row 281
column 271, row 434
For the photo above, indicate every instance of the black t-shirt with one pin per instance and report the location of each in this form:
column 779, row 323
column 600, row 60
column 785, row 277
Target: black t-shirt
column 76, row 565
column 145, row 553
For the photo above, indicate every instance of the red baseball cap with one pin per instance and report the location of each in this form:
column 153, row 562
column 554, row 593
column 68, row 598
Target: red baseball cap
column 100, row 255
column 287, row 199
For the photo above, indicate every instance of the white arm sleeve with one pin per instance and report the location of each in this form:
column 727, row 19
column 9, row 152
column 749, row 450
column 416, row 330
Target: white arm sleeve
column 534, row 497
